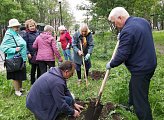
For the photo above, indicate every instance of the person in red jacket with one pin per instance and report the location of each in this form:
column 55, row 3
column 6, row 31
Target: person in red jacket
column 66, row 41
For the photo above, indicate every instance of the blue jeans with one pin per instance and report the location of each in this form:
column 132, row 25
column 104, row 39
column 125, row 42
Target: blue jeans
column 67, row 54
column 68, row 100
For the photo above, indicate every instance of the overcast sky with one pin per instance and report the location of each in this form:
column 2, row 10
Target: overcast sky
column 78, row 14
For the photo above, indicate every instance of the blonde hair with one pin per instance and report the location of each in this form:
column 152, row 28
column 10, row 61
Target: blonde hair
column 83, row 25
column 48, row 28
column 118, row 11
column 30, row 21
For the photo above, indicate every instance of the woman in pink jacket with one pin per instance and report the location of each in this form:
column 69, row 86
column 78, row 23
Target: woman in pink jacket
column 45, row 44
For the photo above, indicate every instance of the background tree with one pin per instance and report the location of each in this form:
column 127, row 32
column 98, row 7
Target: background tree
column 140, row 8
column 8, row 10
column 67, row 16
column 42, row 11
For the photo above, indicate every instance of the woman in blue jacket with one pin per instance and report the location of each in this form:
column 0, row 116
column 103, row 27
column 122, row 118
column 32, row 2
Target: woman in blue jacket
column 8, row 46
column 83, row 36
column 30, row 36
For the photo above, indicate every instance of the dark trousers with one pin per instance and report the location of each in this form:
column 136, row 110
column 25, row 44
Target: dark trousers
column 79, row 73
column 43, row 65
column 34, row 69
column 138, row 95
column 87, row 67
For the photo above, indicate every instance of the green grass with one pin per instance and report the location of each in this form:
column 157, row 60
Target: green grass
column 116, row 89
column 159, row 37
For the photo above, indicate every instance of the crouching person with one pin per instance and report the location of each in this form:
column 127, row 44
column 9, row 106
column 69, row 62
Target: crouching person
column 49, row 95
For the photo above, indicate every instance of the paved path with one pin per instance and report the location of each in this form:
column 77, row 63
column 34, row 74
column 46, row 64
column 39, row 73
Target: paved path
column 1, row 62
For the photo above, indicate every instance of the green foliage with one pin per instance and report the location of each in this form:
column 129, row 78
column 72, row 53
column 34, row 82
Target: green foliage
column 143, row 8
column 6, row 88
column 40, row 10
column 158, row 37
column 156, row 92
column 105, row 42
column 140, row 8
column 8, row 10
column 152, row 10
column 76, row 27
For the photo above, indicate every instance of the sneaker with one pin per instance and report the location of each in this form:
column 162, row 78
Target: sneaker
column 18, row 93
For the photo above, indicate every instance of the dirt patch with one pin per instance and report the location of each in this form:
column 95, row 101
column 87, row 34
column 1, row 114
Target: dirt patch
column 97, row 75
column 106, row 110
column 160, row 48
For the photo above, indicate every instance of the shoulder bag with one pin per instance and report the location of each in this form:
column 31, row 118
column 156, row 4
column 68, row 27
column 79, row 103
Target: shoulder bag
column 14, row 64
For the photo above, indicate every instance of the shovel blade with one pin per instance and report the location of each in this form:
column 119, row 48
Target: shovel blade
column 93, row 112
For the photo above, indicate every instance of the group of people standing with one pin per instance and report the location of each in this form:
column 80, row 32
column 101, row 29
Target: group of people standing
column 49, row 95
column 41, row 49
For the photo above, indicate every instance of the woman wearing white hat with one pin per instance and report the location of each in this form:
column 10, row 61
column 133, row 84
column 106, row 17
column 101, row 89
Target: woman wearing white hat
column 10, row 48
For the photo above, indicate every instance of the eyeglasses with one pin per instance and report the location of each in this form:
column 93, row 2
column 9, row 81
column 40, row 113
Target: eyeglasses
column 112, row 25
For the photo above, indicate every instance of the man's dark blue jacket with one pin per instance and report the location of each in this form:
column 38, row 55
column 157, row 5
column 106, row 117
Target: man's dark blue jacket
column 46, row 97
column 136, row 47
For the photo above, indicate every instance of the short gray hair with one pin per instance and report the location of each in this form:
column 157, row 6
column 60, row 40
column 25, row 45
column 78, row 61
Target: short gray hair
column 118, row 11
column 48, row 28
column 83, row 25
column 62, row 27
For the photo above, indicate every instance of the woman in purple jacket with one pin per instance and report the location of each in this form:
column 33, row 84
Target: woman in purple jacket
column 45, row 44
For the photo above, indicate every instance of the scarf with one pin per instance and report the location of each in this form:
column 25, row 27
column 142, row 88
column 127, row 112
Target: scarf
column 84, row 40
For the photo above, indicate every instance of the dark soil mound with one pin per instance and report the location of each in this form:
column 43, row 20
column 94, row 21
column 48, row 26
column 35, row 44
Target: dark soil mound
column 107, row 108
column 97, row 75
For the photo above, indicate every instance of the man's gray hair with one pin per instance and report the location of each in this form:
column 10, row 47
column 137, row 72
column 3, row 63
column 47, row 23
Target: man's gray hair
column 118, row 11
column 83, row 25
column 48, row 28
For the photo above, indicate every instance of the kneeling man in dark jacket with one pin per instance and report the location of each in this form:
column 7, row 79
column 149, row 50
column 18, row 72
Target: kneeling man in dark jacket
column 49, row 95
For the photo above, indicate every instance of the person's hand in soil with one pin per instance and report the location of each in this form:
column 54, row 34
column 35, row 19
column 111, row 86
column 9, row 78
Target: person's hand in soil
column 78, row 107
column 76, row 113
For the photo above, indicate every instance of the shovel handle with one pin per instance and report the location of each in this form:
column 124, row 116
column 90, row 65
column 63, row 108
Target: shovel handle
column 85, row 74
column 115, row 49
column 102, row 86
column 103, row 82
column 106, row 75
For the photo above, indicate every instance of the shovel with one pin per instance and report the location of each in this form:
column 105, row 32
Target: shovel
column 85, row 74
column 95, row 107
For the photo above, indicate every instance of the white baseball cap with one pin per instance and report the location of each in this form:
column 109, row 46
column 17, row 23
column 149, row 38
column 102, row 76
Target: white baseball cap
column 13, row 22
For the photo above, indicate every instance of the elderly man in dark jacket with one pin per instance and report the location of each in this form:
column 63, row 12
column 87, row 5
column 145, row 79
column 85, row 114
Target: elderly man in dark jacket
column 136, row 50
column 83, row 36
column 49, row 95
